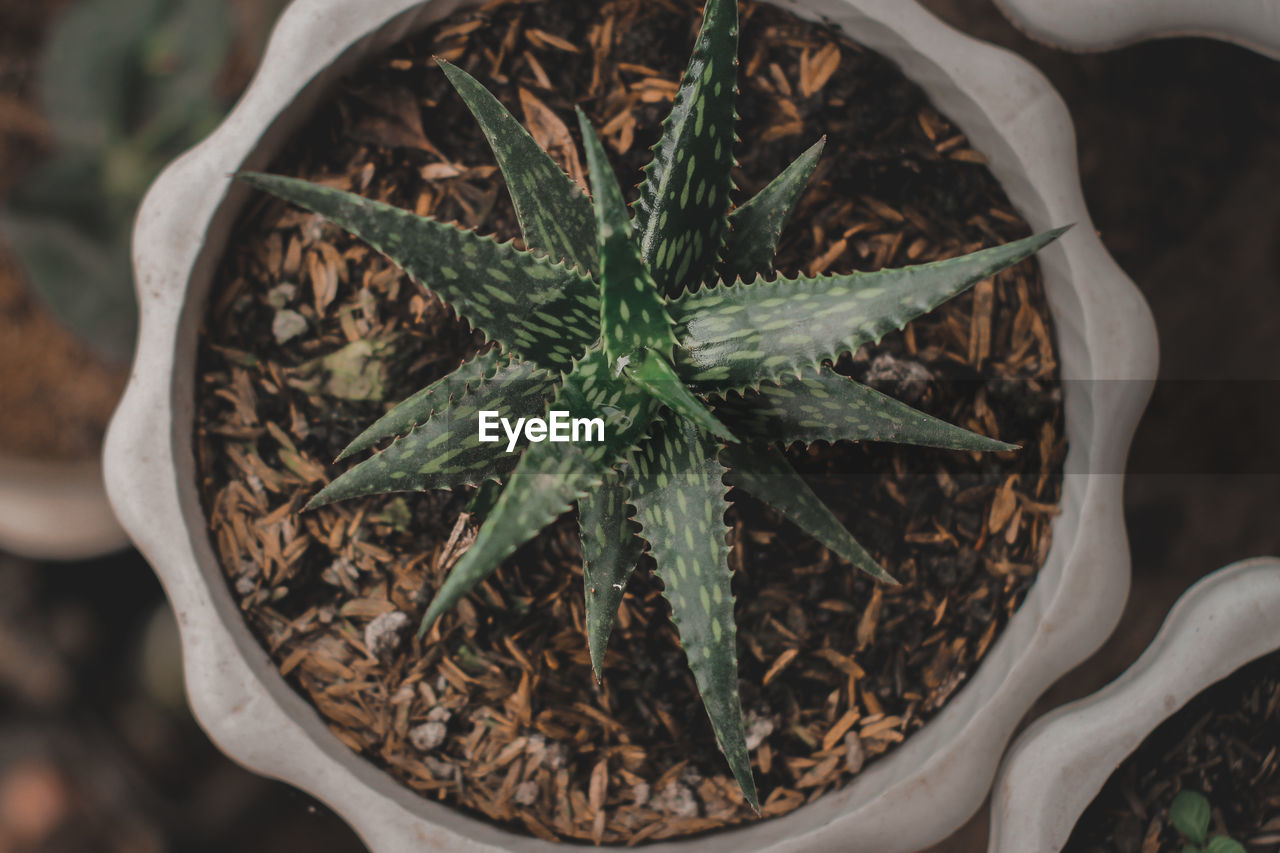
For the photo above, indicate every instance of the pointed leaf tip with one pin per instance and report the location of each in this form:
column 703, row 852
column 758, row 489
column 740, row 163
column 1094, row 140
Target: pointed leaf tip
column 554, row 213
column 769, row 477
column 736, row 336
column 610, row 551
column 477, row 277
column 679, row 490
column 684, row 199
column 756, row 226
column 633, row 315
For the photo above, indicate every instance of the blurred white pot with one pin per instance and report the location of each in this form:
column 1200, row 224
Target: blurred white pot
column 917, row 795
column 56, row 510
column 1059, row 765
column 1106, row 24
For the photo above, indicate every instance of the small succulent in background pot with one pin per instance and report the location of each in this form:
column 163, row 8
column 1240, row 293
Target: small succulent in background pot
column 1190, row 814
column 666, row 323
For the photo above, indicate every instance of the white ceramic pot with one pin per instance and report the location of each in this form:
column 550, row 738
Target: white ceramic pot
column 934, row 781
column 56, row 510
column 1059, row 765
column 1107, row 24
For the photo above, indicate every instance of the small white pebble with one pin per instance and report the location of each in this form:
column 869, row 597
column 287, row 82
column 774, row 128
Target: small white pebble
column 640, row 793
column 556, row 756
column 427, row 736
column 441, row 769
column 439, row 714
column 527, row 793
column 678, row 800
column 758, row 728
column 287, row 325
column 384, row 634
column 245, row 585
column 854, row 755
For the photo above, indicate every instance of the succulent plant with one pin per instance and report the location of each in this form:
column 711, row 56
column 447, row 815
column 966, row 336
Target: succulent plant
column 667, row 321
column 1191, row 814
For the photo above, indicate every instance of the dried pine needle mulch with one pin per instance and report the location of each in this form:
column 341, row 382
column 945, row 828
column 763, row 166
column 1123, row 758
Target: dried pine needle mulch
column 1225, row 744
column 310, row 335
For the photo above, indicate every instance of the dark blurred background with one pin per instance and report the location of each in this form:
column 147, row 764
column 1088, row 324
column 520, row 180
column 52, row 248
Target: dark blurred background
column 1179, row 146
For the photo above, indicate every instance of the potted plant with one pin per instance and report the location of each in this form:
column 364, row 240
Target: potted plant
column 1108, row 24
column 1057, row 767
column 277, row 732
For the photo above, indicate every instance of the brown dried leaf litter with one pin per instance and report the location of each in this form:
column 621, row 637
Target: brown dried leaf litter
column 497, row 712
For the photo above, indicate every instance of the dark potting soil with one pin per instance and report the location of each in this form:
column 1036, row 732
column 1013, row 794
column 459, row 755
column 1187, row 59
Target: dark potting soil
column 1224, row 744
column 310, row 335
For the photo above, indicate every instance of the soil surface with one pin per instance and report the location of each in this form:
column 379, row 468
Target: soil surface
column 1224, row 744
column 497, row 712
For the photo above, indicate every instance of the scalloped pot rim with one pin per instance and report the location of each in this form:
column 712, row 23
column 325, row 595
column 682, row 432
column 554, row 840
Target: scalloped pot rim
column 939, row 776
column 1056, row 768
column 1107, row 24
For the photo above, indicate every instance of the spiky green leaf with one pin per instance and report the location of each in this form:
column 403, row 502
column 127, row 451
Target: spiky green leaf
column 655, row 374
column 633, row 315
column 737, row 336
column 825, row 406
column 766, row 475
column 551, row 476
column 547, row 313
column 610, row 550
column 756, row 227
column 444, row 450
column 685, row 195
column 555, row 214
column 679, row 497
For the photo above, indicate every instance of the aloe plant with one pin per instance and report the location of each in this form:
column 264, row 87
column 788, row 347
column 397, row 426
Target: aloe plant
column 667, row 321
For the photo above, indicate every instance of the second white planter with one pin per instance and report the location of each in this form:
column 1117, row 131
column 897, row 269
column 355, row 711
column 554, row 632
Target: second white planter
column 1107, row 24
column 912, row 798
column 1058, row 765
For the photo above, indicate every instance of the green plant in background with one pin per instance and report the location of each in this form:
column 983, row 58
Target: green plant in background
column 1190, row 814
column 606, row 315
column 126, row 86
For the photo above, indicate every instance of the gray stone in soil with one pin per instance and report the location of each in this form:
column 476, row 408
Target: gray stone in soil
column 385, row 633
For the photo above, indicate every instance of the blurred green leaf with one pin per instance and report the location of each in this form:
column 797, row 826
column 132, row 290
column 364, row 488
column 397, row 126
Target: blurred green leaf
column 89, row 281
column 89, row 73
column 1190, row 815
column 182, row 60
